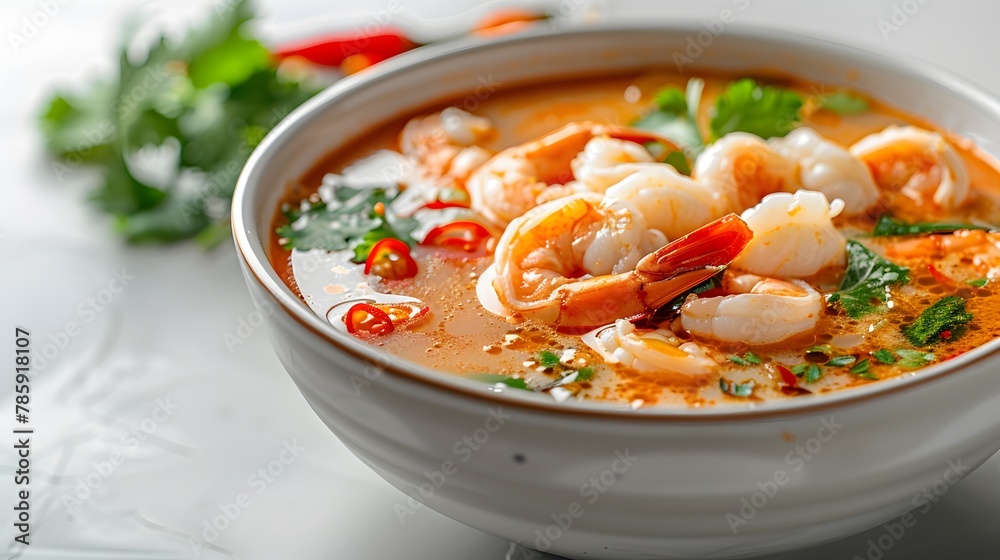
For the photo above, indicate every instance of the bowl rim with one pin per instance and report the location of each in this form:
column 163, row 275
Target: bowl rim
column 254, row 256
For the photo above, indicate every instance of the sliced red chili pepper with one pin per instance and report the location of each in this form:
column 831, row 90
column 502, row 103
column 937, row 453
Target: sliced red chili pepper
column 390, row 259
column 787, row 376
column 940, row 276
column 364, row 319
column 467, row 236
column 450, row 198
column 945, row 334
column 333, row 48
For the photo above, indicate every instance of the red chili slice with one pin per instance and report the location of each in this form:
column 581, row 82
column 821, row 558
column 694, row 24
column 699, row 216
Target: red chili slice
column 940, row 276
column 364, row 319
column 333, row 48
column 787, row 376
column 390, row 259
column 467, row 236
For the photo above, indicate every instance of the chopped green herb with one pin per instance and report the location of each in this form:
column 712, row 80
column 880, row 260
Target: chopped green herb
column 348, row 222
column 205, row 103
column 748, row 358
column 861, row 370
column 867, row 281
column 841, row 361
column 547, row 359
column 811, row 372
column 978, row 282
column 741, row 390
column 845, row 103
column 495, row 378
column 584, row 373
column 745, row 106
column 679, row 162
column 884, row 356
column 674, row 116
column 913, row 359
column 887, row 225
column 945, row 320
column 820, row 349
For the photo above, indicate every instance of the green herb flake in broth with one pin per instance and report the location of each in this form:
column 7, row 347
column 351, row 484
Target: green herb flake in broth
column 841, row 361
column 495, row 378
column 913, row 359
column 978, row 282
column 860, row 369
column 945, row 320
column 741, row 390
column 868, row 279
column 547, row 359
column 844, row 103
column 884, row 356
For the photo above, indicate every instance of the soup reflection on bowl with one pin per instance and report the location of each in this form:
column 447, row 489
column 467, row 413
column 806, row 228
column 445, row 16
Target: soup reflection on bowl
column 572, row 295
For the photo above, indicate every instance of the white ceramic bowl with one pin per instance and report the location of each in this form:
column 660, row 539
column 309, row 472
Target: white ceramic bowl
column 590, row 480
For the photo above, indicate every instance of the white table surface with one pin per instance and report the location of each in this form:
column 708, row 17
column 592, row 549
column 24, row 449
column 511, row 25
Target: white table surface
column 160, row 342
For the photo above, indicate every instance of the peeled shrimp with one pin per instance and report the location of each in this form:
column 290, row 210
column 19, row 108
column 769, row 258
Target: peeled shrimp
column 513, row 181
column 648, row 350
column 443, row 145
column 584, row 261
column 793, row 236
column 918, row 163
column 829, row 168
column 760, row 311
column 744, row 168
column 672, row 203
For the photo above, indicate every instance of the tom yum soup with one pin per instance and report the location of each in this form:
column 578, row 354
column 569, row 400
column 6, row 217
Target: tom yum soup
column 654, row 239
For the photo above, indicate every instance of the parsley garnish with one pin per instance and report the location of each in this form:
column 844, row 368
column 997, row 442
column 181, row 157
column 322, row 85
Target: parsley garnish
column 749, row 358
column 945, row 320
column 841, row 361
column 861, row 370
column 745, row 106
column 547, row 359
column 884, row 356
column 913, row 359
column 202, row 104
column 978, row 282
column 867, row 281
column 811, row 372
column 495, row 378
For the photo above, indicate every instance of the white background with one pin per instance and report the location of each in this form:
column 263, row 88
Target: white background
column 161, row 339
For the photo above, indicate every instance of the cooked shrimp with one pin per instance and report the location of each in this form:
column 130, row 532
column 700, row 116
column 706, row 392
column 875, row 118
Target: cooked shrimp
column 981, row 247
column 584, row 261
column 760, row 311
column 671, row 202
column 603, row 162
column 443, row 145
column 829, row 168
column 918, row 163
column 511, row 182
column 744, row 168
column 648, row 350
column 793, row 236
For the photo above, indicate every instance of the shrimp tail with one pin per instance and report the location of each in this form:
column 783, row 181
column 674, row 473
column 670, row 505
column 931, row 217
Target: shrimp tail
column 692, row 259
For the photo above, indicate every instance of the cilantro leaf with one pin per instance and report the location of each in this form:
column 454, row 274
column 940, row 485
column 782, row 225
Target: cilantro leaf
column 584, row 373
column 675, row 114
column 679, row 162
column 978, row 282
column 947, row 315
column 741, row 390
column 495, row 378
column 867, row 281
column 347, row 222
column 812, row 372
column 884, row 356
column 844, row 103
column 748, row 358
column 861, row 370
column 841, row 361
column 887, row 225
column 745, row 106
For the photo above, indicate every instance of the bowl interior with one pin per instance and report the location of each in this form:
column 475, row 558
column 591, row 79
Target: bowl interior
column 471, row 70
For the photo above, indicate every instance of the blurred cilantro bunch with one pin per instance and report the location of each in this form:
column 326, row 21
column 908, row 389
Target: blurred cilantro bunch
column 171, row 133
